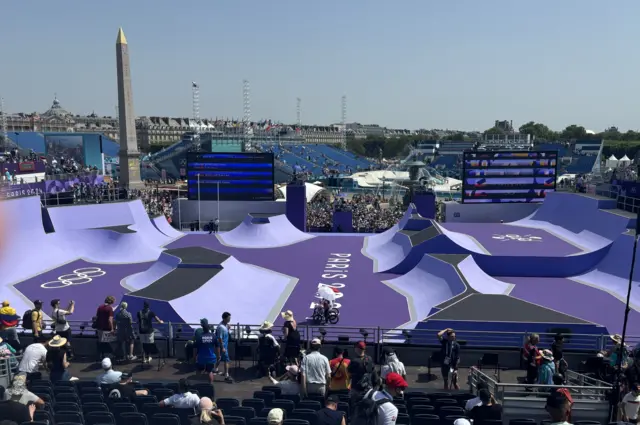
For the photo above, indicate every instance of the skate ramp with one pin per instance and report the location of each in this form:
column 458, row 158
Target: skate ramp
column 130, row 214
column 430, row 283
column 163, row 226
column 497, row 249
column 257, row 231
column 106, row 246
column 386, row 236
column 143, row 225
column 28, row 250
column 166, row 263
column 407, row 247
column 611, row 275
column 583, row 216
column 78, row 217
column 184, row 294
column 481, row 282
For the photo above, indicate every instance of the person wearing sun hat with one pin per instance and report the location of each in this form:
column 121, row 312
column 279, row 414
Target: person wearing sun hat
column 57, row 360
column 291, row 336
column 547, row 368
column 268, row 348
column 289, row 383
column 612, row 354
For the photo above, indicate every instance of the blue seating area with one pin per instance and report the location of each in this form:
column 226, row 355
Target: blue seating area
column 447, row 162
column 453, row 147
column 28, row 140
column 582, row 164
column 313, row 158
column 562, row 151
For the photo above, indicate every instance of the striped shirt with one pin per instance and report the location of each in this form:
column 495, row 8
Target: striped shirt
column 315, row 367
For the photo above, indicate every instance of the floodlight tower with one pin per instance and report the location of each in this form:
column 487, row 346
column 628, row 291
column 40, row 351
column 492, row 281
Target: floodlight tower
column 195, row 103
column 299, row 113
column 3, row 117
column 246, row 108
column 343, row 124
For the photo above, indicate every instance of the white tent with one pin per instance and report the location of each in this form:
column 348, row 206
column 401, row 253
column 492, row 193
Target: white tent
column 612, row 162
column 624, row 161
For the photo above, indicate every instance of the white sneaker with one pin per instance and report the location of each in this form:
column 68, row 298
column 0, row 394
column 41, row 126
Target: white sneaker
column 131, row 358
column 149, row 360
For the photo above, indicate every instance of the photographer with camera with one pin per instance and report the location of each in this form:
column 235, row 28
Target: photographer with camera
column 60, row 324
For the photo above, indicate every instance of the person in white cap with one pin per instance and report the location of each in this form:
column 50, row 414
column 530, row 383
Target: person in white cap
column 108, row 375
column 316, row 372
column 289, row 383
column 275, row 417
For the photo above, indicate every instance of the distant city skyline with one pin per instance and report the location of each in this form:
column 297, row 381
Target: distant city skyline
column 415, row 65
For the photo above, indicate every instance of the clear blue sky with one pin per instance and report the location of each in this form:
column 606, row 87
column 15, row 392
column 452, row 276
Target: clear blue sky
column 406, row 64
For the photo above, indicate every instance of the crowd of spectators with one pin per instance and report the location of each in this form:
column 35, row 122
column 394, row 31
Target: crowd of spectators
column 370, row 213
column 299, row 384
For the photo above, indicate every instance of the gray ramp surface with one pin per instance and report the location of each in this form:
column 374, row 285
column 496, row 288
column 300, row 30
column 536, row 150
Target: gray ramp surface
column 198, row 255
column 502, row 308
column 177, row 284
column 117, row 229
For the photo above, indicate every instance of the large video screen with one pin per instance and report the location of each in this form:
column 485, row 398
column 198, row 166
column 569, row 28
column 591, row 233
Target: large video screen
column 501, row 177
column 231, row 176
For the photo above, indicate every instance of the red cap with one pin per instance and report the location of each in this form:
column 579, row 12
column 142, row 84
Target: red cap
column 394, row 380
column 361, row 345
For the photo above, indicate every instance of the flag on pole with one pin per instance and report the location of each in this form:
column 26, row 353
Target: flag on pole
column 194, row 84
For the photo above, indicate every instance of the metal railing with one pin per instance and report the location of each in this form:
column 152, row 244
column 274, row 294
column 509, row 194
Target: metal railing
column 378, row 335
column 590, row 396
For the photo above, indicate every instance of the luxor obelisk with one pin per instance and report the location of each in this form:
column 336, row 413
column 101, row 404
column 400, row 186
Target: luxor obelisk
column 129, row 154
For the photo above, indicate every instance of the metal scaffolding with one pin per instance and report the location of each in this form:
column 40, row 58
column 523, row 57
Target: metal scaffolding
column 343, row 124
column 195, row 103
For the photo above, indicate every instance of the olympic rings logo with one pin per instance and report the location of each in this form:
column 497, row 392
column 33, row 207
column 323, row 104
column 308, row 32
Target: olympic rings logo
column 77, row 277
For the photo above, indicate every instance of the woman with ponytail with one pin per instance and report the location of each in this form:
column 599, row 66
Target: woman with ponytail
column 209, row 413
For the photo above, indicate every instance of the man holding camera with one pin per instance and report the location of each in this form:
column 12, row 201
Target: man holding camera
column 60, row 323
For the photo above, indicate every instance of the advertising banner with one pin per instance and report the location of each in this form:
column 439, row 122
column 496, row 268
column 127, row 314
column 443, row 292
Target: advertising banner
column 21, row 190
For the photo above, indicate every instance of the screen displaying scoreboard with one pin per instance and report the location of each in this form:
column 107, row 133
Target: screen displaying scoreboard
column 247, row 176
column 516, row 176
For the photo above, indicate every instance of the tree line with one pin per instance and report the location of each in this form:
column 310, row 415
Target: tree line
column 378, row 146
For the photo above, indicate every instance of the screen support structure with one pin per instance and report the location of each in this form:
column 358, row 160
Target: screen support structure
column 199, row 219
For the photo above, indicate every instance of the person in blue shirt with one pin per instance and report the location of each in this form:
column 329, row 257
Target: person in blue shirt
column 547, row 368
column 205, row 346
column 222, row 334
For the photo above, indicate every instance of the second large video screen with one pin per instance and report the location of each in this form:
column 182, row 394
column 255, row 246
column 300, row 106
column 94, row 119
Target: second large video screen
column 515, row 176
column 231, row 176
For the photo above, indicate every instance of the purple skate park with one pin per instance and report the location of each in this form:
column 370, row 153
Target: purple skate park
column 564, row 267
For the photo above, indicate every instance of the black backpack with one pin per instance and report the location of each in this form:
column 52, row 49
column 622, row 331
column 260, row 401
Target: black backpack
column 366, row 411
column 369, row 378
column 27, row 320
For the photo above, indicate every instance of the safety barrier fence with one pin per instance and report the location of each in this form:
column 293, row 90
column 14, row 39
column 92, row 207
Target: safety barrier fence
column 626, row 203
column 376, row 335
column 590, row 396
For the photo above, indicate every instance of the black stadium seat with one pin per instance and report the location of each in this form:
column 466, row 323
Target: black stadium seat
column 133, row 419
column 165, row 419
column 71, row 417
column 246, row 412
column 256, row 403
column 66, row 407
column 274, row 389
column 99, row 418
column 286, row 405
column 235, row 420
column 425, row 420
column 226, row 404
column 304, row 414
